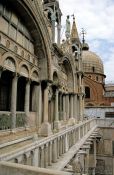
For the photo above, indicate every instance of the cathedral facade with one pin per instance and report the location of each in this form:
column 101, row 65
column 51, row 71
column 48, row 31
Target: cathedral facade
column 41, row 83
column 43, row 129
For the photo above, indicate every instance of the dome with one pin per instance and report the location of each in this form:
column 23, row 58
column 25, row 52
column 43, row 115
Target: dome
column 92, row 63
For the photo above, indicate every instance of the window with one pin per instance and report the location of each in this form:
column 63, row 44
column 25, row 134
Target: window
column 97, row 78
column 87, row 92
column 93, row 69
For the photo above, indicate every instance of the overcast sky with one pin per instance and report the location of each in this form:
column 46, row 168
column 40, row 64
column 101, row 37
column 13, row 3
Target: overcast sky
column 97, row 17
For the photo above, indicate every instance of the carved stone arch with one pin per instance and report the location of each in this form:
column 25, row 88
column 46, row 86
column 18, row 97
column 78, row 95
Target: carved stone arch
column 9, row 64
column 69, row 72
column 32, row 14
column 50, row 12
column 34, row 75
column 9, row 61
column 24, row 70
column 55, row 78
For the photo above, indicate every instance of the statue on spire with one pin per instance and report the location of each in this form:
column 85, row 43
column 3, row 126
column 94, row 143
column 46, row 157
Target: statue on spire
column 67, row 33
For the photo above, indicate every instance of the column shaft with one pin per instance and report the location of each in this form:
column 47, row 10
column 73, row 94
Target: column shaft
column 64, row 110
column 27, row 101
column 39, row 105
column 71, row 106
column 45, row 113
column 13, row 101
column 67, row 106
column 56, row 106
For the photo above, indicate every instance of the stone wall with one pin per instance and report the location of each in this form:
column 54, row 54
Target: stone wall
column 97, row 111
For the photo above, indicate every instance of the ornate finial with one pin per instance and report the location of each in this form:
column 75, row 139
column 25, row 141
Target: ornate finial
column 83, row 35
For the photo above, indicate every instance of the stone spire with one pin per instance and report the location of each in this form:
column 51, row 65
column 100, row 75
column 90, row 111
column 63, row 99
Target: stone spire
column 74, row 32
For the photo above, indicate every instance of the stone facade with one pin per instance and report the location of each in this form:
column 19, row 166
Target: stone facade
column 41, row 83
column 42, row 122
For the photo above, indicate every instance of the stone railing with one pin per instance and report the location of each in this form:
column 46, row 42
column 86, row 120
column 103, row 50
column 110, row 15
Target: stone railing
column 6, row 121
column 45, row 151
column 16, row 169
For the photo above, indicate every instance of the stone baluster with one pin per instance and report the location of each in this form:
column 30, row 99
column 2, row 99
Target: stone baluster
column 50, row 153
column 45, row 155
column 35, row 160
column 42, row 157
column 54, row 151
column 94, row 142
column 66, row 142
column 58, row 147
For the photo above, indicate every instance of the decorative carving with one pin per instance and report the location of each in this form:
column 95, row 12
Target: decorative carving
column 24, row 71
column 7, row 43
column 10, row 64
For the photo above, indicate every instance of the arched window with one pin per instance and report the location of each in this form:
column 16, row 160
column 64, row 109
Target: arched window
column 93, row 69
column 87, row 92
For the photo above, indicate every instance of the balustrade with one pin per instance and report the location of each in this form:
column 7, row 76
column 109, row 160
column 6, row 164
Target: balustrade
column 48, row 150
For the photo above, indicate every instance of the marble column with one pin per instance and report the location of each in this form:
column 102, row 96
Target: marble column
column 14, row 100
column 45, row 127
column 27, row 102
column 39, row 105
column 75, row 107
column 67, row 106
column 81, row 109
column 56, row 122
column 71, row 120
column 64, row 109
column 60, row 106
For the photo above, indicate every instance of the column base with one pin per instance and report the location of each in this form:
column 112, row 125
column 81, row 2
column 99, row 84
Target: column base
column 71, row 121
column 45, row 130
column 57, row 125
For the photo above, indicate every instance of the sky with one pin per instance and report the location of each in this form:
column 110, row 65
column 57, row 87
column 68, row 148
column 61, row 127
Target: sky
column 97, row 18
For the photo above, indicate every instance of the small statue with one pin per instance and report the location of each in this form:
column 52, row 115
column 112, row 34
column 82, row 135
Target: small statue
column 67, row 27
